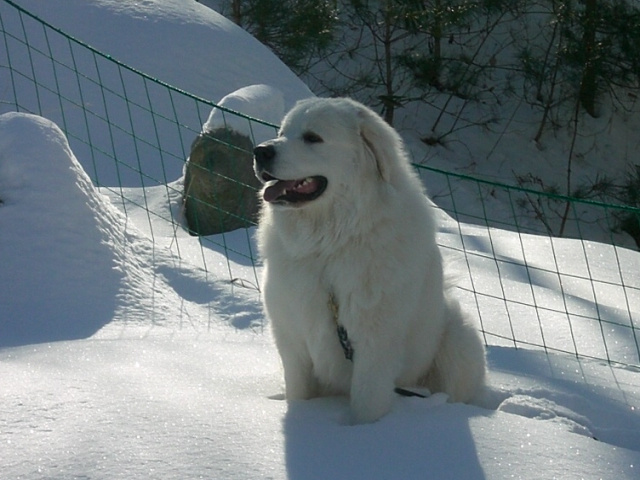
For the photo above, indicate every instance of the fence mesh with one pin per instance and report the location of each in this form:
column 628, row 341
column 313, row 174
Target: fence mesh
column 133, row 133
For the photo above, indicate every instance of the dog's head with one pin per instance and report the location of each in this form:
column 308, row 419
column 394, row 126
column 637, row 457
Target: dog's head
column 325, row 148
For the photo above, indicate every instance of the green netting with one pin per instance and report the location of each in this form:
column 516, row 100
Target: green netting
column 606, row 276
column 133, row 133
column 128, row 129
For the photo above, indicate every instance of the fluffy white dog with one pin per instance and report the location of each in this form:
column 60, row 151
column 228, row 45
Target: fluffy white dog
column 353, row 279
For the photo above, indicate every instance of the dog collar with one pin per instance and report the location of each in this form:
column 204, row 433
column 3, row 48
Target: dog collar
column 343, row 337
column 347, row 348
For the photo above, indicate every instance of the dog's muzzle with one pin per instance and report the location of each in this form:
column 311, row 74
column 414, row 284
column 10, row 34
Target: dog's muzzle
column 284, row 192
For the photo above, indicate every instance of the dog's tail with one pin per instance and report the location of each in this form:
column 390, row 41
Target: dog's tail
column 459, row 368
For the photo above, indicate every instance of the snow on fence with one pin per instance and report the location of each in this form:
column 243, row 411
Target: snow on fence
column 132, row 133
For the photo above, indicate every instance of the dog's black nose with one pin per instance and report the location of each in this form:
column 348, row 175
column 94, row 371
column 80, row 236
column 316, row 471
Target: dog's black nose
column 264, row 155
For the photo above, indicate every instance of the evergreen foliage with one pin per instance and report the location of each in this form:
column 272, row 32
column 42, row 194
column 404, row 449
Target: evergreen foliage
column 565, row 58
column 294, row 29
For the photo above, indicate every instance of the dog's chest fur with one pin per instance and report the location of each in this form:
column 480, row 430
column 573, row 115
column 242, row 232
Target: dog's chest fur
column 299, row 305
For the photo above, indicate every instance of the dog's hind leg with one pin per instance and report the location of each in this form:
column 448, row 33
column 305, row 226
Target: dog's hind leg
column 459, row 368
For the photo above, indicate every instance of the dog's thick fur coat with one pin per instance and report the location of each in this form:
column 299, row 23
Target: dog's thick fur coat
column 345, row 215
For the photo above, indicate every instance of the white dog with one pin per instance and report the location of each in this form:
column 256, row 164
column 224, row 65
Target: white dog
column 353, row 281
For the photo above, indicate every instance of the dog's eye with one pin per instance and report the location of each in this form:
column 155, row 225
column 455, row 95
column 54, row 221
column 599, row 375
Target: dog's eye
column 310, row 137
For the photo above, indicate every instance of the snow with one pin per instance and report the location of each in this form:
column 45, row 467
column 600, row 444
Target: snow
column 129, row 349
column 257, row 101
column 122, row 116
column 181, row 42
column 72, row 256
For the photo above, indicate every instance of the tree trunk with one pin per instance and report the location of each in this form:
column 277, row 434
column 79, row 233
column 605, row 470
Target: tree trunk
column 436, row 33
column 389, row 98
column 236, row 11
column 588, row 83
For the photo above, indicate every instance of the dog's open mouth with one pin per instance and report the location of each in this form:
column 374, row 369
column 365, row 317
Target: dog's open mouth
column 293, row 191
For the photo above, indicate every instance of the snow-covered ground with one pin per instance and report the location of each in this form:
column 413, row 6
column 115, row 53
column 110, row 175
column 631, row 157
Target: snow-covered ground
column 129, row 349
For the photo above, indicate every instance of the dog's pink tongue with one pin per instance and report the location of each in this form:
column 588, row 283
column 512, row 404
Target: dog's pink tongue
column 277, row 189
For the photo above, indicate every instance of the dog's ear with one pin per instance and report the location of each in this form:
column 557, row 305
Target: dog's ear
column 381, row 140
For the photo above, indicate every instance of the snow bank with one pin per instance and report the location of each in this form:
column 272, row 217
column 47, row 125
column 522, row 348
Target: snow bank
column 127, row 130
column 258, row 101
column 165, row 391
column 181, row 380
column 205, row 407
column 56, row 238
column 75, row 265
column 180, row 42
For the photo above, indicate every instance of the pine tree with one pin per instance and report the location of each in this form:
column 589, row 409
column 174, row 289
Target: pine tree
column 294, row 29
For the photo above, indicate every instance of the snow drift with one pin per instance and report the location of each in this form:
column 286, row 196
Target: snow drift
column 164, row 368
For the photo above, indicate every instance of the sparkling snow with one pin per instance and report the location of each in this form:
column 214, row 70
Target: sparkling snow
column 126, row 352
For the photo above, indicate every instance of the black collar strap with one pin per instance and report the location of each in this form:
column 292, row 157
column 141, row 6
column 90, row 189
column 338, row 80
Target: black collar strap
column 345, row 343
column 347, row 348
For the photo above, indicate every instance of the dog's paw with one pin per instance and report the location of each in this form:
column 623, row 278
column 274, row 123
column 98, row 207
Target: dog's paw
column 369, row 413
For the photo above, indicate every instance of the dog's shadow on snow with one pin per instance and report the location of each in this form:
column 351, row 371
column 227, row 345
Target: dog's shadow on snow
column 419, row 436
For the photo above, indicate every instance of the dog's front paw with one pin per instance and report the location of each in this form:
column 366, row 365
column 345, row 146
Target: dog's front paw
column 360, row 417
column 370, row 408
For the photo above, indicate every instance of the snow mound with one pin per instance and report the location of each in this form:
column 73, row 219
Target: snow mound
column 184, row 44
column 76, row 263
column 258, row 101
column 56, row 238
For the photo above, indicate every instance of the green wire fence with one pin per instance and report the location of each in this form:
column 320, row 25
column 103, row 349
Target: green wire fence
column 133, row 133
